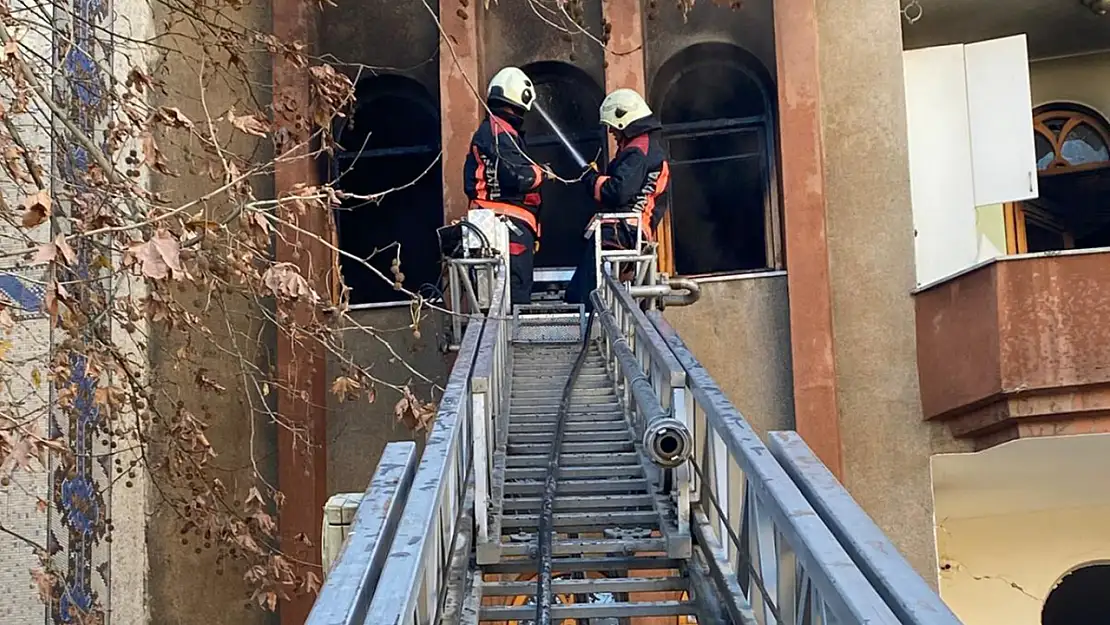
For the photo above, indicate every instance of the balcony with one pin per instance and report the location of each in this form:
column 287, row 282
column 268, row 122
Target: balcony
column 1018, row 347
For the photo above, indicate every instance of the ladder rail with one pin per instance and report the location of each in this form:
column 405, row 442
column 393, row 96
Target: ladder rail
column 489, row 396
column 792, row 567
column 353, row 578
column 908, row 595
column 413, row 580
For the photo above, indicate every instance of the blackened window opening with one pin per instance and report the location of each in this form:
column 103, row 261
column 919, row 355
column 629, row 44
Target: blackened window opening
column 1080, row 598
column 572, row 99
column 390, row 143
column 713, row 102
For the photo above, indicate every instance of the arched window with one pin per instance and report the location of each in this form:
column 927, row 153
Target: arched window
column 390, row 143
column 571, row 98
column 715, row 105
column 1079, row 598
column 1070, row 138
column 1073, row 158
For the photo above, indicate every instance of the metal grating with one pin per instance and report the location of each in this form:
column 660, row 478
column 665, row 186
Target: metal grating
column 548, row 323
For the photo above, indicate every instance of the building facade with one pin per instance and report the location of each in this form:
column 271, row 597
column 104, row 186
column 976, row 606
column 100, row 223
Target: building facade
column 897, row 213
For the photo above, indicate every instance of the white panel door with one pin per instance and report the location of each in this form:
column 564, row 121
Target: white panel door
column 941, row 185
column 1001, row 113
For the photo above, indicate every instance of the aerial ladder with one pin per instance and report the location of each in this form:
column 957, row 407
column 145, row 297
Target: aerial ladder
column 584, row 468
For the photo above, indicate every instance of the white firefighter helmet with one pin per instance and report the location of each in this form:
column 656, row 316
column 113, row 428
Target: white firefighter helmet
column 622, row 107
column 513, row 86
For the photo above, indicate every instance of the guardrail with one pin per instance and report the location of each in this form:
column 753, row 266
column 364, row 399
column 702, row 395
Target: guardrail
column 349, row 585
column 907, row 594
column 759, row 536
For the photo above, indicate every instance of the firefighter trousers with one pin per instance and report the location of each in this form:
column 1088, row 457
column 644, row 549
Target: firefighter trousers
column 522, row 256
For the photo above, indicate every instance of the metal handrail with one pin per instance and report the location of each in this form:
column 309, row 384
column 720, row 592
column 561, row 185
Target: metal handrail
column 907, row 594
column 413, row 581
column 349, row 585
column 653, row 388
column 768, row 541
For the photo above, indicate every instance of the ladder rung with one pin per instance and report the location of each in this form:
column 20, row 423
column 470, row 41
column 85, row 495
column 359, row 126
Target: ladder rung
column 588, row 487
column 545, row 438
column 568, row 447
column 581, row 502
column 576, row 427
column 586, row 586
column 573, row 416
column 572, row 460
column 595, row 519
column 525, row 407
column 574, row 565
column 576, row 473
column 574, row 546
column 589, row 610
column 550, row 393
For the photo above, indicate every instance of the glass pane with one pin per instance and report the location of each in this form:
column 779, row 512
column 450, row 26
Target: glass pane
column 1084, row 145
column 1056, row 125
column 1045, row 153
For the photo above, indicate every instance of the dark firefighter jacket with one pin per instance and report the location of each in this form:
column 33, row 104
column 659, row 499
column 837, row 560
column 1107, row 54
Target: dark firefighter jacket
column 497, row 176
column 637, row 178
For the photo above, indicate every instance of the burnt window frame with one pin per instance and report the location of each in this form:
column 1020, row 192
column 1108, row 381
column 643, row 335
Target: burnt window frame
column 344, row 158
column 734, row 57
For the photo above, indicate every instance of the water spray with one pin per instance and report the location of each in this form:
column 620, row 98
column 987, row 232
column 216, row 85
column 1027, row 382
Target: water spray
column 578, row 160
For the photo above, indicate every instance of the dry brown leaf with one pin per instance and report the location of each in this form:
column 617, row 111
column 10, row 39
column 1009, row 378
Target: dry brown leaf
column 254, row 498
column 36, row 208
column 159, row 258
column 415, row 414
column 44, row 582
column 69, row 256
column 11, row 49
column 45, row 253
column 7, row 322
column 345, row 388
column 285, row 281
column 172, row 116
column 249, row 124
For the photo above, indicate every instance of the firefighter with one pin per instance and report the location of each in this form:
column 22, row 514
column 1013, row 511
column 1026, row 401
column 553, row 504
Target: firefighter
column 635, row 181
column 500, row 177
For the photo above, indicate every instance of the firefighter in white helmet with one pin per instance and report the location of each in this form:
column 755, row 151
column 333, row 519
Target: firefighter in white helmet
column 500, row 177
column 635, row 181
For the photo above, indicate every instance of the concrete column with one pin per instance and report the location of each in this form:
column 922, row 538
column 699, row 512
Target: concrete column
column 804, row 207
column 885, row 444
column 302, row 402
column 849, row 244
column 460, row 108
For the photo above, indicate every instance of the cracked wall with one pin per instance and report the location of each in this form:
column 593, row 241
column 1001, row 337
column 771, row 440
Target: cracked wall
column 998, row 570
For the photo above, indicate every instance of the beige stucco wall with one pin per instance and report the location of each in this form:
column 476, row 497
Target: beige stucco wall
column 1080, row 79
column 885, row 444
column 740, row 331
column 1000, row 569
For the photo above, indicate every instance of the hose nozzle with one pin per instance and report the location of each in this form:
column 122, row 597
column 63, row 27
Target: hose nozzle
column 667, row 442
